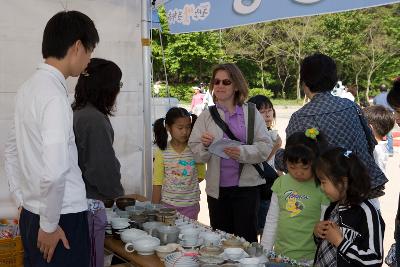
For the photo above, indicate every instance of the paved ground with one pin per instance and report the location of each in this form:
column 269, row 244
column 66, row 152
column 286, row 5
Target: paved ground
column 388, row 202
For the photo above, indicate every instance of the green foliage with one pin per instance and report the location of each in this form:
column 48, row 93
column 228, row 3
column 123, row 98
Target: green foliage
column 260, row 91
column 183, row 92
column 364, row 43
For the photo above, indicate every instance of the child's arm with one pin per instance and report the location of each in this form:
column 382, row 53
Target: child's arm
column 201, row 171
column 156, row 195
column 277, row 145
column 271, row 224
column 366, row 248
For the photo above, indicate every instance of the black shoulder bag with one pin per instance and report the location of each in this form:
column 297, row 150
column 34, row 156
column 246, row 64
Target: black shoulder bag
column 267, row 172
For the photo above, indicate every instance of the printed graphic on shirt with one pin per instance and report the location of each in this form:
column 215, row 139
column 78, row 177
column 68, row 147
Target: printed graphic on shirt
column 187, row 166
column 294, row 202
column 180, row 172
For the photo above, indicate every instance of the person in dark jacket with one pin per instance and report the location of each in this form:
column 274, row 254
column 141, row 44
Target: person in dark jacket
column 95, row 95
column 393, row 99
column 340, row 119
column 351, row 233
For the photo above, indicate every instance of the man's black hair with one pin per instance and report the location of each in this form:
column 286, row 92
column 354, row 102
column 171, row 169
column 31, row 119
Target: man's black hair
column 64, row 29
column 319, row 73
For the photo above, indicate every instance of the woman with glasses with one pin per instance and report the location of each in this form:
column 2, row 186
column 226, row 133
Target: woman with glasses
column 231, row 180
column 95, row 95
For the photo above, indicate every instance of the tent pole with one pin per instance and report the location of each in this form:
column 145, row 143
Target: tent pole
column 147, row 151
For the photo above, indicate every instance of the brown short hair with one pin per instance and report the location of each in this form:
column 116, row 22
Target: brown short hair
column 380, row 118
column 238, row 81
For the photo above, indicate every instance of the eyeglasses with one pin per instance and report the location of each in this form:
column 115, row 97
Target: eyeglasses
column 121, row 84
column 225, row 82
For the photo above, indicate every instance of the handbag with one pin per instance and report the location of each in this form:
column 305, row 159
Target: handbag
column 267, row 172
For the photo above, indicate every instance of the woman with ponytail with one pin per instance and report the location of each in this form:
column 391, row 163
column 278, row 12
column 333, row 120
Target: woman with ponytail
column 176, row 175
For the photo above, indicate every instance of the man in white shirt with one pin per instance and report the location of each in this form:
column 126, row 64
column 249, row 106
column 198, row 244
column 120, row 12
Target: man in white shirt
column 41, row 160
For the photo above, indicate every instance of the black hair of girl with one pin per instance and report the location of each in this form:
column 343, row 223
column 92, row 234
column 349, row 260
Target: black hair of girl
column 393, row 97
column 98, row 85
column 300, row 148
column 160, row 130
column 336, row 164
column 261, row 101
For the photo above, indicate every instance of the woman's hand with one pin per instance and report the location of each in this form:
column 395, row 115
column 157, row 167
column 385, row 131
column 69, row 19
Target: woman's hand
column 207, row 138
column 334, row 234
column 320, row 229
column 233, row 152
column 278, row 143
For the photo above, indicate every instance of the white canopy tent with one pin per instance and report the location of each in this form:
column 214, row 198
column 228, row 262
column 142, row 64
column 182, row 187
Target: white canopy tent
column 124, row 33
column 121, row 30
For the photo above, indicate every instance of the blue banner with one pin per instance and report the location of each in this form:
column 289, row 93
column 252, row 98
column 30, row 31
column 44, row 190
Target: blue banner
column 202, row 15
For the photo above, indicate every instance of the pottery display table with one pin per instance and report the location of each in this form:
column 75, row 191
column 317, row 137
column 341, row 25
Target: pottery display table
column 117, row 247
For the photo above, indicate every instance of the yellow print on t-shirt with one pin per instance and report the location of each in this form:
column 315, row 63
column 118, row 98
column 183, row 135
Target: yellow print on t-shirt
column 294, row 203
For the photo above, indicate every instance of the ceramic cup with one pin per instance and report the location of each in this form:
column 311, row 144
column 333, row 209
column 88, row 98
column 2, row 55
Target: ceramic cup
column 210, row 238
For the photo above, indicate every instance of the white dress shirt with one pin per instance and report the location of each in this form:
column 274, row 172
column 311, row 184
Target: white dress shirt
column 381, row 154
column 41, row 159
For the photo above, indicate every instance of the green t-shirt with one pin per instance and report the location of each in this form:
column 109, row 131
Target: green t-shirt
column 299, row 210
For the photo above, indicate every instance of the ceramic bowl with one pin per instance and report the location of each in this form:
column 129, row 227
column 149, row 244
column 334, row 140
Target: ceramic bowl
column 232, row 243
column 211, row 260
column 123, row 202
column 108, row 203
column 174, row 246
column 210, row 238
column 163, row 251
column 131, row 235
column 234, row 253
column 211, row 251
column 116, row 221
column 249, row 262
column 144, row 245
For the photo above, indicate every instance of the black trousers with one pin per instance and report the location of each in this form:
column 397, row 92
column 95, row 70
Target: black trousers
column 235, row 211
column 75, row 227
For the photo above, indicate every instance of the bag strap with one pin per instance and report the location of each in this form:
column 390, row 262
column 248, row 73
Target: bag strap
column 251, row 118
column 250, row 139
column 221, row 123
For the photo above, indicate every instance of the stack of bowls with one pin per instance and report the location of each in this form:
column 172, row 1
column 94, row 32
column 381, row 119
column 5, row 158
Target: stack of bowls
column 180, row 259
column 118, row 226
column 166, row 217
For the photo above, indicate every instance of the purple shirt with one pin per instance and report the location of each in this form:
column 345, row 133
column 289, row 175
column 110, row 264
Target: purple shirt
column 229, row 168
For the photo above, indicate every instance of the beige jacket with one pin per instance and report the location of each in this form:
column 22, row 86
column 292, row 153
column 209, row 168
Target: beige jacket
column 249, row 154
